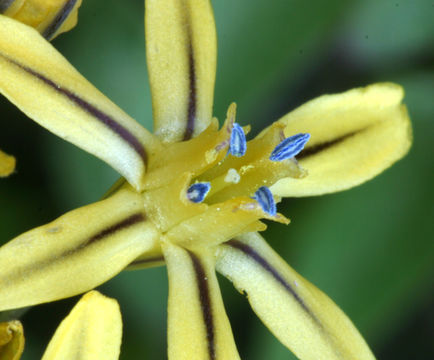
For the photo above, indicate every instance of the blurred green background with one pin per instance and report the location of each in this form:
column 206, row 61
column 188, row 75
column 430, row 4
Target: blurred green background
column 370, row 248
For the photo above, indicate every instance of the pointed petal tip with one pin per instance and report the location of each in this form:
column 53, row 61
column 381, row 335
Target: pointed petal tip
column 93, row 329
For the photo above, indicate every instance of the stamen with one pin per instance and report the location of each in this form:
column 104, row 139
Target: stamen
column 289, row 147
column 265, row 199
column 237, row 143
column 197, row 192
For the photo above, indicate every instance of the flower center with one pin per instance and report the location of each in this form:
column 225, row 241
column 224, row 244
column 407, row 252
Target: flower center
column 207, row 190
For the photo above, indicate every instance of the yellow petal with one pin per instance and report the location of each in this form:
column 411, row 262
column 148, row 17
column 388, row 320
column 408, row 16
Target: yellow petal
column 7, row 164
column 198, row 327
column 181, row 56
column 49, row 17
column 40, row 81
column 76, row 252
column 302, row 317
column 11, row 340
column 92, row 331
column 354, row 137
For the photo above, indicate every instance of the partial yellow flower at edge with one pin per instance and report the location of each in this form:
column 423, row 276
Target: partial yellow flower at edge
column 11, row 340
column 92, row 331
column 49, row 17
column 7, row 164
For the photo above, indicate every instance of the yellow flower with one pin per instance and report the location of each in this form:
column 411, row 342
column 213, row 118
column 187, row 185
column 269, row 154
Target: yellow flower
column 93, row 331
column 192, row 195
column 49, row 17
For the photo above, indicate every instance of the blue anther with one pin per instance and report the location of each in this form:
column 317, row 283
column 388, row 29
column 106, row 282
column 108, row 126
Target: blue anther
column 237, row 142
column 197, row 192
column 289, row 147
column 265, row 199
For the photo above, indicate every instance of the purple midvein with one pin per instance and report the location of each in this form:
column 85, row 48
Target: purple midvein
column 205, row 303
column 191, row 111
column 58, row 20
column 192, row 95
column 252, row 254
column 99, row 115
column 313, row 150
column 127, row 222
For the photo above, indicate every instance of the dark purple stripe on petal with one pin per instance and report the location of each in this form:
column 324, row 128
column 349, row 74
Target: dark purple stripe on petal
column 205, row 303
column 313, row 150
column 4, row 5
column 191, row 112
column 129, row 221
column 102, row 234
column 252, row 254
column 58, row 20
column 102, row 117
column 111, row 230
